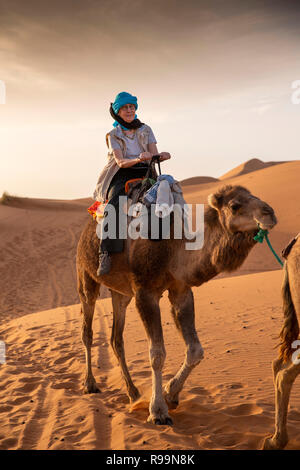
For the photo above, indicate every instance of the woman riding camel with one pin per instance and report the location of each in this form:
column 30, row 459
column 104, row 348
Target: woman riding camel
column 131, row 145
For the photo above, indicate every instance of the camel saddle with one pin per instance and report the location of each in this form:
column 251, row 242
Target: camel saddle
column 285, row 252
column 135, row 190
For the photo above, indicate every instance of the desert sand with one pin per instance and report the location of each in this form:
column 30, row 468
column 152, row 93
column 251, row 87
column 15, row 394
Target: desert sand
column 227, row 402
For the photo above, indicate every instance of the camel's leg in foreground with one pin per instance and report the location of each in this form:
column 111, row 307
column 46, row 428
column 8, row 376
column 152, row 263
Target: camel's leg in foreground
column 148, row 306
column 184, row 315
column 120, row 303
column 284, row 377
column 88, row 292
column 285, row 373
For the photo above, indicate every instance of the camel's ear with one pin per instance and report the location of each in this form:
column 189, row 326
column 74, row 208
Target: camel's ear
column 215, row 200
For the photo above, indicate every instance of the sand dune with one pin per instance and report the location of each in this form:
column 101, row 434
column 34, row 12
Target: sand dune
column 248, row 167
column 198, row 180
column 27, row 203
column 228, row 401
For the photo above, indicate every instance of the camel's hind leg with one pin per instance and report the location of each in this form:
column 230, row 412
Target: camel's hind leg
column 88, row 291
column 284, row 377
column 148, row 306
column 120, row 303
column 182, row 301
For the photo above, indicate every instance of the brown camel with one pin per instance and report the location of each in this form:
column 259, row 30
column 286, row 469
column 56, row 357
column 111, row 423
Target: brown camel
column 286, row 367
column 145, row 269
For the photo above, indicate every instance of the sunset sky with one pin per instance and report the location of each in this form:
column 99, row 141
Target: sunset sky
column 213, row 80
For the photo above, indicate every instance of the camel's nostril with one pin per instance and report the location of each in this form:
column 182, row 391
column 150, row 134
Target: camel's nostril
column 267, row 211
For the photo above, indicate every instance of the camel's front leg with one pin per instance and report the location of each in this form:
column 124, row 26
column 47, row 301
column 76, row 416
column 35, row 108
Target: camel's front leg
column 120, row 303
column 284, row 377
column 147, row 305
column 182, row 301
column 88, row 291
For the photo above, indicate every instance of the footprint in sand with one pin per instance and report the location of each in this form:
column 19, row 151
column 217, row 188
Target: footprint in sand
column 143, row 373
column 199, row 391
column 18, row 401
column 8, row 443
column 64, row 385
column 235, row 386
column 63, row 359
column 4, row 408
column 245, row 409
column 230, row 440
column 28, row 341
column 28, row 387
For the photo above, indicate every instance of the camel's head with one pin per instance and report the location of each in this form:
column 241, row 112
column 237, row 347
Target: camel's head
column 240, row 211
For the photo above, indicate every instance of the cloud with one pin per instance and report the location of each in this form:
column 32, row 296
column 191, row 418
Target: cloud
column 68, row 59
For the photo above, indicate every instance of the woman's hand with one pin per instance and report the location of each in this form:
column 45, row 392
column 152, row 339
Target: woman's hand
column 164, row 156
column 145, row 156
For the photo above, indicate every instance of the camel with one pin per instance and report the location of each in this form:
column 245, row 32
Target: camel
column 287, row 367
column 146, row 268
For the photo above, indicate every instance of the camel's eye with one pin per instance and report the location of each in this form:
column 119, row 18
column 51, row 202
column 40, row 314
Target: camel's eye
column 235, row 206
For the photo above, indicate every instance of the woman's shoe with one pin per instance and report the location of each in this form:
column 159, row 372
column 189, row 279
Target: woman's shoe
column 104, row 263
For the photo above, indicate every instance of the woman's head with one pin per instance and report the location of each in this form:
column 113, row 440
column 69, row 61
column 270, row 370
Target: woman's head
column 125, row 105
column 127, row 112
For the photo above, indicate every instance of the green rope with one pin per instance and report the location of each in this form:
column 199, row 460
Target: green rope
column 263, row 234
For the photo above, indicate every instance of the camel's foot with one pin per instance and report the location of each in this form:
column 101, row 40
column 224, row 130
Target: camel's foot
column 171, row 400
column 275, row 443
column 91, row 387
column 159, row 414
column 133, row 394
column 166, row 420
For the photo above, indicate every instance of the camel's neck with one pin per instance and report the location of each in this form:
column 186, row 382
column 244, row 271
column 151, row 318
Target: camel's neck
column 222, row 251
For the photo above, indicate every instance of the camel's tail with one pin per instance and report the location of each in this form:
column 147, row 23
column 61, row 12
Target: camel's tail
column 290, row 329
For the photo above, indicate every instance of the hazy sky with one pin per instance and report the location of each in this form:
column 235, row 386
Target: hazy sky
column 213, row 80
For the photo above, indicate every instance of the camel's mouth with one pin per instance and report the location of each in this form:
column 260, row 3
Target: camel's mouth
column 266, row 225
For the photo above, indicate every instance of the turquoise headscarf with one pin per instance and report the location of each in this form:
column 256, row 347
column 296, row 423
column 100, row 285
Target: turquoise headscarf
column 120, row 100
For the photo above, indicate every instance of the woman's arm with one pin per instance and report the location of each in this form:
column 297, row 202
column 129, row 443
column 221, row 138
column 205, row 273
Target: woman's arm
column 163, row 155
column 127, row 162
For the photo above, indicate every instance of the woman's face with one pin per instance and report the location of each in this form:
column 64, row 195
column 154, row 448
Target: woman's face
column 127, row 112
